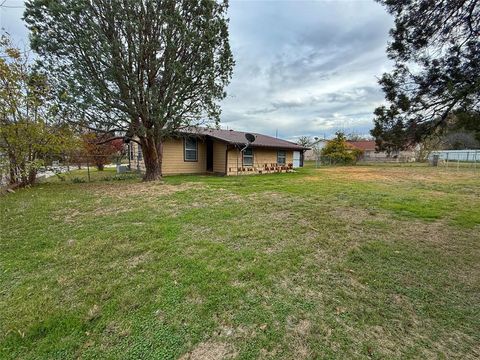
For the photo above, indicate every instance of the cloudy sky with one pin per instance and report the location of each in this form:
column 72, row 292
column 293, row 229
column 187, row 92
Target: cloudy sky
column 302, row 67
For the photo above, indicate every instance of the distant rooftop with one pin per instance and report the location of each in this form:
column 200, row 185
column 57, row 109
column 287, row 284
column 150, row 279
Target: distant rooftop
column 363, row 145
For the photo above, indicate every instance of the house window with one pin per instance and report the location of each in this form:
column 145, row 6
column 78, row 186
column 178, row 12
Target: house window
column 140, row 154
column 248, row 157
column 190, row 149
column 281, row 157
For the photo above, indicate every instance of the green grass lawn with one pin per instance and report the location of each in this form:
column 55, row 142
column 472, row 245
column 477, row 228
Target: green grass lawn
column 348, row 262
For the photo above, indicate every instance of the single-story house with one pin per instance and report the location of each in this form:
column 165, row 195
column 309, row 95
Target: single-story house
column 222, row 152
column 313, row 153
column 370, row 153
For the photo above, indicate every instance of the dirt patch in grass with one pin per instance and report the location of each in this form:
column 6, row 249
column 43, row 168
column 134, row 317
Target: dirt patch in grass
column 358, row 173
column 110, row 210
column 138, row 260
column 210, row 350
column 356, row 215
column 142, row 189
column 72, row 216
column 130, row 195
column 297, row 334
column 302, row 328
column 69, row 217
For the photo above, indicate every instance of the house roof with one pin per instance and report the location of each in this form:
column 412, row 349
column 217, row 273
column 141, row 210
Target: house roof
column 238, row 138
column 363, row 145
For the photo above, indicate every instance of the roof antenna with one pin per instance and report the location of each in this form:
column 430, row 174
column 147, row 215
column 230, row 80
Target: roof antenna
column 250, row 139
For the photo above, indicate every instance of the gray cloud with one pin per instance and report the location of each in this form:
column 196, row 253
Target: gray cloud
column 302, row 67
column 306, row 67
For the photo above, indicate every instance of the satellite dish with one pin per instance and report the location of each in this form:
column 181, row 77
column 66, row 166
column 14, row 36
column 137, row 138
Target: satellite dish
column 250, row 137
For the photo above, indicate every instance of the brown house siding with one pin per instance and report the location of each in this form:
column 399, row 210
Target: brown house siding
column 173, row 158
column 219, row 156
column 174, row 161
column 261, row 157
column 224, row 162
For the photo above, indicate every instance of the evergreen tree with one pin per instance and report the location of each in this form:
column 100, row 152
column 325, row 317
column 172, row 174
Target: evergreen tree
column 142, row 67
column 436, row 51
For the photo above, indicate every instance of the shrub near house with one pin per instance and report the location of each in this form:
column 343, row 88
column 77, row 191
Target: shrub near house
column 99, row 150
column 339, row 151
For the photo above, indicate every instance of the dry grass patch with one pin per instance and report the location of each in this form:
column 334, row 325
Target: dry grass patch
column 137, row 260
column 393, row 174
column 297, row 338
column 114, row 199
column 210, row 350
column 142, row 189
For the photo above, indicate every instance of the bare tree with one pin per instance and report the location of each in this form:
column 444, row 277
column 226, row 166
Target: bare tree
column 304, row 141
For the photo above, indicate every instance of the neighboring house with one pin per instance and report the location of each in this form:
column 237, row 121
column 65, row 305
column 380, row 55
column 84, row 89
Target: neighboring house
column 215, row 151
column 368, row 148
column 370, row 154
column 313, row 153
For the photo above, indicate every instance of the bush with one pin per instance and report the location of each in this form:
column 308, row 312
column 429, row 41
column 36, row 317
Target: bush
column 121, row 177
column 339, row 151
column 77, row 180
column 60, row 176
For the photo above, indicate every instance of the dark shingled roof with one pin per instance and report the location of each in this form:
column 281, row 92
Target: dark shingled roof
column 238, row 138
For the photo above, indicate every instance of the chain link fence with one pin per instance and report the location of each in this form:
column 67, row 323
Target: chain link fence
column 455, row 159
column 78, row 167
column 441, row 159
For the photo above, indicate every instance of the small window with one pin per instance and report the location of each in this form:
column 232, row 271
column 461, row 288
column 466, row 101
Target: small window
column 281, row 157
column 248, row 157
column 191, row 149
column 140, row 154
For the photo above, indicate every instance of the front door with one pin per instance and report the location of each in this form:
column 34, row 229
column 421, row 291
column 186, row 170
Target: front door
column 209, row 155
column 296, row 159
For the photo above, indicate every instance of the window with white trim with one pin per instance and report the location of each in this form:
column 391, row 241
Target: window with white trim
column 190, row 149
column 281, row 157
column 248, row 157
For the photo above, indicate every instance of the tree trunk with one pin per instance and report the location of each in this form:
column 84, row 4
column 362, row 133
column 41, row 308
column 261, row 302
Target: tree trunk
column 32, row 176
column 100, row 167
column 12, row 169
column 13, row 175
column 152, row 151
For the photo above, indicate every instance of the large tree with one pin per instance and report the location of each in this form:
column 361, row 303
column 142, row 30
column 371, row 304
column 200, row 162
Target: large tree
column 436, row 52
column 142, row 67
